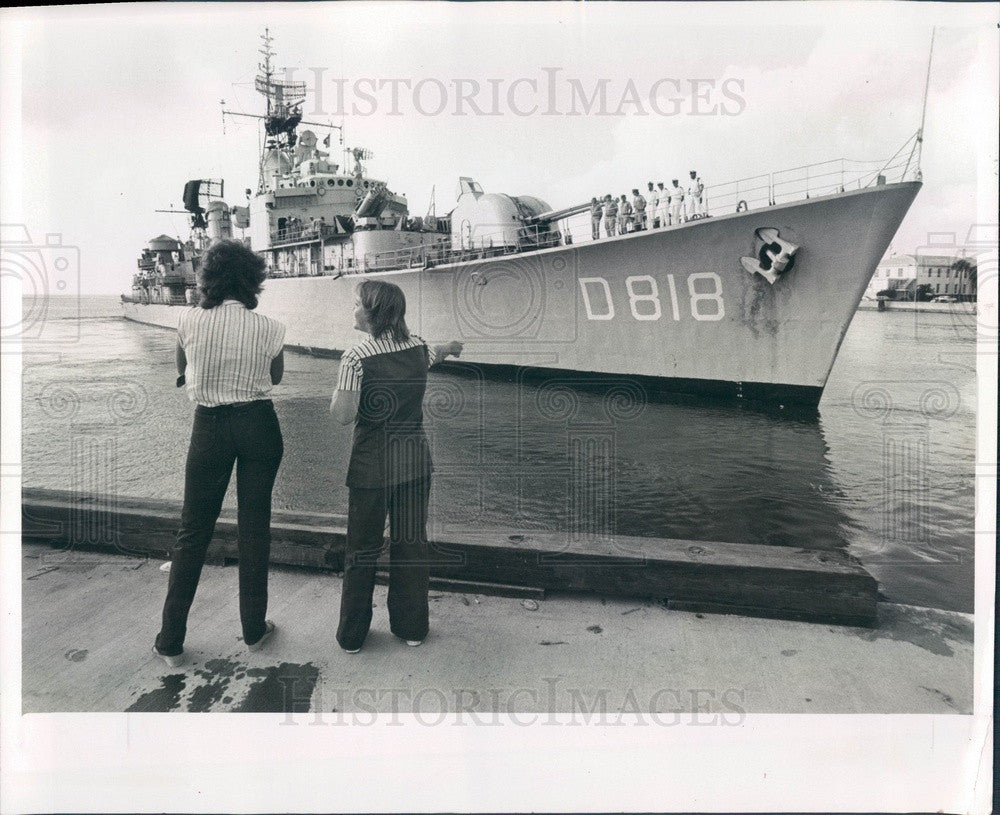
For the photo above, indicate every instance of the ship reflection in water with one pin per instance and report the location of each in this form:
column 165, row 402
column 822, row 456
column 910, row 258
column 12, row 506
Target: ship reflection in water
column 604, row 459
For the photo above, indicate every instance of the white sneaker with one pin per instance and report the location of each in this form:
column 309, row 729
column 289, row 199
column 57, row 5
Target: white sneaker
column 414, row 643
column 174, row 661
column 268, row 631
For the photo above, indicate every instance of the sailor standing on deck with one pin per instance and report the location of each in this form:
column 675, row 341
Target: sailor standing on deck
column 624, row 216
column 595, row 218
column 380, row 389
column 695, row 191
column 652, row 201
column 664, row 204
column 610, row 215
column 639, row 207
column 677, row 202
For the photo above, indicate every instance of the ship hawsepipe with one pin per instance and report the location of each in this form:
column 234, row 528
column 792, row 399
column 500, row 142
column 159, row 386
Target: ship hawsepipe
column 672, row 310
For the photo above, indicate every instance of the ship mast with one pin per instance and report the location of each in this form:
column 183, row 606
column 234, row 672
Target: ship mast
column 265, row 66
column 284, row 109
column 923, row 112
column 918, row 146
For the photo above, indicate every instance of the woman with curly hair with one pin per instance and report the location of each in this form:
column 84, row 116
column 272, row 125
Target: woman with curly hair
column 380, row 389
column 229, row 357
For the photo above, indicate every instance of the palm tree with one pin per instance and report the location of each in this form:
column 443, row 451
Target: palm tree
column 965, row 272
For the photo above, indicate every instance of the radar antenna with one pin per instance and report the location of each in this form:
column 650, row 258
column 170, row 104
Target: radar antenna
column 284, row 108
column 360, row 154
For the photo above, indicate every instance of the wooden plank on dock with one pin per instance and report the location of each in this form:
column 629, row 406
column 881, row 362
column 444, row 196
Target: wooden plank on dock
column 769, row 581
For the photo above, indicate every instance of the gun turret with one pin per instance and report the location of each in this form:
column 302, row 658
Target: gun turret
column 556, row 214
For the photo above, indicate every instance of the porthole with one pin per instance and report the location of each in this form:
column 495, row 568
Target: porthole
column 329, row 182
column 340, row 182
column 350, row 183
column 312, row 182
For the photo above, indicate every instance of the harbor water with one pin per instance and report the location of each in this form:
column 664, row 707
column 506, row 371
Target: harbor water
column 884, row 470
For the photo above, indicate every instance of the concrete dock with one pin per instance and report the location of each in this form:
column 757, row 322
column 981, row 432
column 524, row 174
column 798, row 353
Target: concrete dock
column 89, row 619
column 785, row 582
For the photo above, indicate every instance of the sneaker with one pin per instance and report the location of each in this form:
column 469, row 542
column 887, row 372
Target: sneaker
column 268, row 631
column 350, row 650
column 414, row 643
column 173, row 660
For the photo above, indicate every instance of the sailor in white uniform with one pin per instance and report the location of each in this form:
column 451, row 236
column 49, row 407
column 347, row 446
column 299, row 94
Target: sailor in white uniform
column 695, row 191
column 664, row 204
column 652, row 201
column 677, row 203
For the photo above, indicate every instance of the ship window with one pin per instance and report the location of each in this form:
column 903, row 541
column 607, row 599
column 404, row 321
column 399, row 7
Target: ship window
column 312, row 182
column 329, row 182
column 350, row 183
column 366, row 185
column 340, row 182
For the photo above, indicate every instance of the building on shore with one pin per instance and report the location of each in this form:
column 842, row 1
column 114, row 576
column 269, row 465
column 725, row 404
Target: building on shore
column 905, row 276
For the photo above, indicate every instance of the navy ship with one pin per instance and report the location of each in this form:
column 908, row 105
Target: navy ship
column 749, row 298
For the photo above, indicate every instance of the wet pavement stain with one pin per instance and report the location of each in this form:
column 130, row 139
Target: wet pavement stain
column 286, row 688
column 218, row 673
column 73, row 655
column 162, row 700
column 789, row 652
column 551, row 642
column 925, row 628
column 204, row 696
column 596, row 629
column 223, row 668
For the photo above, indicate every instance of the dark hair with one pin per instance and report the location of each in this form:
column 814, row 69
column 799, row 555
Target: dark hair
column 230, row 271
column 385, row 306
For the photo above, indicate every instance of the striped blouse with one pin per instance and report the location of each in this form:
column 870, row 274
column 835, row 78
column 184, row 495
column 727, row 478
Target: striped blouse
column 351, row 369
column 229, row 351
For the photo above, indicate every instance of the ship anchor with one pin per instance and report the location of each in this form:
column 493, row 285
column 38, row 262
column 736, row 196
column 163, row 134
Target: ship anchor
column 775, row 256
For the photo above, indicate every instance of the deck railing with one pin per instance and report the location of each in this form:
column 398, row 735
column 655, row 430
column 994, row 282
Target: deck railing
column 744, row 194
column 779, row 187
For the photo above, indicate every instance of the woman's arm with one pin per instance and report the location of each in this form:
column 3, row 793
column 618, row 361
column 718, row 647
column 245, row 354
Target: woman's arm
column 448, row 349
column 344, row 407
column 181, row 359
column 277, row 368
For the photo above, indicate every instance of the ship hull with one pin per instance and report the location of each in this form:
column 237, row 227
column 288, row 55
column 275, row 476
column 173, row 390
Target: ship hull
column 673, row 309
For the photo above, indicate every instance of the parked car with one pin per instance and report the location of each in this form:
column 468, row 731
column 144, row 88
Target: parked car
column 945, row 298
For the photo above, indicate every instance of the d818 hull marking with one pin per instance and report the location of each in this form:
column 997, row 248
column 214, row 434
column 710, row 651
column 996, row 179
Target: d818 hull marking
column 644, row 298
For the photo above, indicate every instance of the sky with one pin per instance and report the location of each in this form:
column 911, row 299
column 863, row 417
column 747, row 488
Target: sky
column 120, row 105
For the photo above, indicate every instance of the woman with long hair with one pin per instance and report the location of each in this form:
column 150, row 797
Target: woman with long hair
column 229, row 357
column 380, row 388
